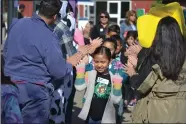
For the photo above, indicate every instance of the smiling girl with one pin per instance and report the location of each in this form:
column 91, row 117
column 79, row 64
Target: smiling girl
column 103, row 88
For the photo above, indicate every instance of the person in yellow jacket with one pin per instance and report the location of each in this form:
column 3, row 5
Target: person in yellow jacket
column 161, row 78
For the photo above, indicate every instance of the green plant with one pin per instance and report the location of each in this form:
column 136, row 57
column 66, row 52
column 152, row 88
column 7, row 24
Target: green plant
column 159, row 1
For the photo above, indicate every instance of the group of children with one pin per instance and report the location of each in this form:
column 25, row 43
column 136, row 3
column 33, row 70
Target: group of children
column 105, row 79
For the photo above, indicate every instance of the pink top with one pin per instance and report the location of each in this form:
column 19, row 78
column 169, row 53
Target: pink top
column 78, row 37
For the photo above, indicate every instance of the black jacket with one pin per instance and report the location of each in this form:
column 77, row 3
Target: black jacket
column 98, row 31
column 144, row 67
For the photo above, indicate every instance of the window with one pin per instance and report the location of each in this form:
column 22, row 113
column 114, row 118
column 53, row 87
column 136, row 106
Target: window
column 114, row 20
column 124, row 8
column 100, row 6
column 91, row 9
column 113, row 8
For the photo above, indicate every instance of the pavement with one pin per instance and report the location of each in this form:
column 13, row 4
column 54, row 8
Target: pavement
column 78, row 105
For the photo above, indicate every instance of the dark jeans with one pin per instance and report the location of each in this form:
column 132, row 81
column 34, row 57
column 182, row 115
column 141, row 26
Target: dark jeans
column 68, row 115
column 34, row 102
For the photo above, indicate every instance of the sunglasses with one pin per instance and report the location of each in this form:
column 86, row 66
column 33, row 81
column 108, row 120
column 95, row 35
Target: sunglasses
column 104, row 17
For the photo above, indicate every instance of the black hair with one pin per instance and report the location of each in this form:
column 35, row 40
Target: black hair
column 133, row 34
column 49, row 8
column 168, row 48
column 111, row 40
column 114, row 28
column 102, row 50
column 117, row 38
column 105, row 13
column 21, row 6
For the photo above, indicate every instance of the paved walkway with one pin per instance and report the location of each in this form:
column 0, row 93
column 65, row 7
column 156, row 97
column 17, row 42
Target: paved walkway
column 78, row 105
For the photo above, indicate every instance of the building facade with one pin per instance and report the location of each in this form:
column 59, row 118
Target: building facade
column 116, row 8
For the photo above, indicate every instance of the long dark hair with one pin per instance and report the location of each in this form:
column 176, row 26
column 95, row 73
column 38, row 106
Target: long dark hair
column 114, row 42
column 111, row 40
column 116, row 37
column 114, row 28
column 168, row 48
column 106, row 14
column 133, row 34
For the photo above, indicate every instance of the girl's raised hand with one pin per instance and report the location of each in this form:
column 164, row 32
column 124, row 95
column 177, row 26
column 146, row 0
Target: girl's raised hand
column 133, row 60
column 136, row 48
column 84, row 49
column 94, row 44
column 129, row 51
column 129, row 69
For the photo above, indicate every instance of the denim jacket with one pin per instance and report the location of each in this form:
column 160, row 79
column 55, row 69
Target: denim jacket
column 123, row 28
column 32, row 52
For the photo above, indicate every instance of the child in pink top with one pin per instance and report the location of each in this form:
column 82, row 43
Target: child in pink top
column 78, row 37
